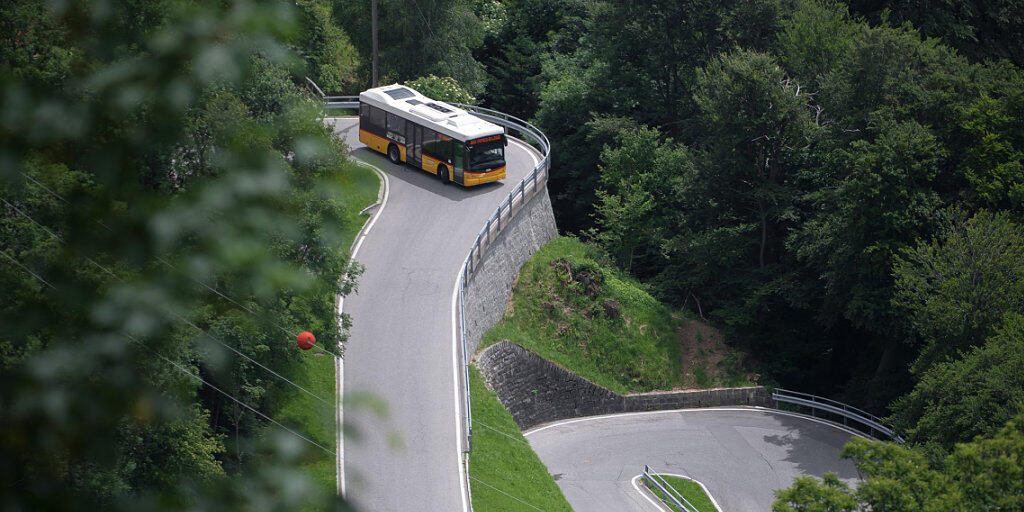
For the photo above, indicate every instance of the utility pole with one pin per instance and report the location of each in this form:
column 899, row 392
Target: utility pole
column 373, row 28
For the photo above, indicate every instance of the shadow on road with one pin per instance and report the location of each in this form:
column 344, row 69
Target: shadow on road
column 812, row 449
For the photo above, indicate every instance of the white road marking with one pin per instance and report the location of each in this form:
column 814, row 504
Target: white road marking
column 529, row 150
column 646, row 495
column 668, row 411
column 339, row 363
column 455, row 385
column 684, row 477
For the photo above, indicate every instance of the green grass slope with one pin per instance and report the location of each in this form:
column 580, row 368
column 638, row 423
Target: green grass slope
column 503, row 462
column 571, row 306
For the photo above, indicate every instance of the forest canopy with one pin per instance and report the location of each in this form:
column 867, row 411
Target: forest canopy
column 838, row 186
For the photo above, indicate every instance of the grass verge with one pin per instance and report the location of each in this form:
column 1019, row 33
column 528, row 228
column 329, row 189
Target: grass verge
column 690, row 490
column 503, row 459
column 570, row 305
column 358, row 186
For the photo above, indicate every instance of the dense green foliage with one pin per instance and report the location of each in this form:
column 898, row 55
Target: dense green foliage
column 571, row 306
column 986, row 474
column 842, row 195
column 502, row 459
column 838, row 186
column 967, row 397
column 425, row 37
column 990, row 29
column 442, row 88
column 769, row 164
column 166, row 188
column 958, row 286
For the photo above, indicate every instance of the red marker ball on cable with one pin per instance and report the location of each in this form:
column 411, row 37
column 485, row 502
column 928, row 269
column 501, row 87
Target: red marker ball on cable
column 306, row 340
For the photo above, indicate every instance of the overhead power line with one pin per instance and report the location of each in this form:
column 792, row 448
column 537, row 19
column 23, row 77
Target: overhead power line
column 229, row 395
column 193, row 375
column 194, row 279
column 171, row 312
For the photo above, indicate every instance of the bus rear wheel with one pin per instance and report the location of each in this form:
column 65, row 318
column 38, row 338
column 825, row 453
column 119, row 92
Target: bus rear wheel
column 393, row 154
column 442, row 171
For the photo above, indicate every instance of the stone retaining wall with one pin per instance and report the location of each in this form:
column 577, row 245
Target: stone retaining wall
column 537, row 391
column 490, row 286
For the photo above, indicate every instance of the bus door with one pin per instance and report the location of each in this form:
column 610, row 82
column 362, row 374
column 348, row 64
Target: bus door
column 414, row 139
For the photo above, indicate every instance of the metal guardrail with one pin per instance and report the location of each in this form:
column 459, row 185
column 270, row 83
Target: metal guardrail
column 332, row 101
column 873, row 423
column 525, row 190
column 508, row 208
column 670, row 495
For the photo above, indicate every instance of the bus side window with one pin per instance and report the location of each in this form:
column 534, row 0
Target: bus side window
column 395, row 124
column 377, row 121
column 430, row 143
column 396, row 128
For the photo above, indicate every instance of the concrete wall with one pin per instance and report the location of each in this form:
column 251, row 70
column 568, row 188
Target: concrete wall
column 537, row 391
column 490, row 286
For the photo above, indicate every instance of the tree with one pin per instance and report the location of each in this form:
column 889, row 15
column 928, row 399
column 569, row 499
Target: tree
column 817, row 36
column 149, row 145
column 522, row 35
column 425, row 37
column 759, row 126
column 331, row 59
column 441, row 88
column 979, row 29
column 958, row 286
column 567, row 109
column 986, row 474
column 955, row 401
column 637, row 176
column 648, row 50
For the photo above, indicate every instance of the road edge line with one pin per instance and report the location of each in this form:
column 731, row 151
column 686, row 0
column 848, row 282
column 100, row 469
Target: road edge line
column 559, row 423
column 646, row 495
column 463, row 471
column 383, row 192
column 698, row 482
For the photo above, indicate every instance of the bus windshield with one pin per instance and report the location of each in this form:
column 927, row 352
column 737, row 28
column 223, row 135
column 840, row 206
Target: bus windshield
column 487, row 155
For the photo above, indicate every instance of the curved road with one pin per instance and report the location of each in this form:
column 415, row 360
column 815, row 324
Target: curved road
column 401, row 344
column 740, row 454
column 401, row 350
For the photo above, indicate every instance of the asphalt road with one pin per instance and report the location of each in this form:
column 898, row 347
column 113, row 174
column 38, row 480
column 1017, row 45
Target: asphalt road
column 740, row 454
column 401, row 343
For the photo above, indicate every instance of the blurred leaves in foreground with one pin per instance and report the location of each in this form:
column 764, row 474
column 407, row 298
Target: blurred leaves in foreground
column 159, row 164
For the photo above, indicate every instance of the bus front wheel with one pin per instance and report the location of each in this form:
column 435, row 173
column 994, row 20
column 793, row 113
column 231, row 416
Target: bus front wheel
column 442, row 171
column 393, row 154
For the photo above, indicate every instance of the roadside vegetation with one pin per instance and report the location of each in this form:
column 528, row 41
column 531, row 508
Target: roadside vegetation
column 836, row 187
column 169, row 192
column 315, row 370
column 690, row 490
column 503, row 459
column 572, row 306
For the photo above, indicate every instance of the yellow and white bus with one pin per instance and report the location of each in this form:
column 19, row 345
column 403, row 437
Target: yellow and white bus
column 430, row 135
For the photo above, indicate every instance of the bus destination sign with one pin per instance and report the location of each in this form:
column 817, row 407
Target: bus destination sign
column 484, row 139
